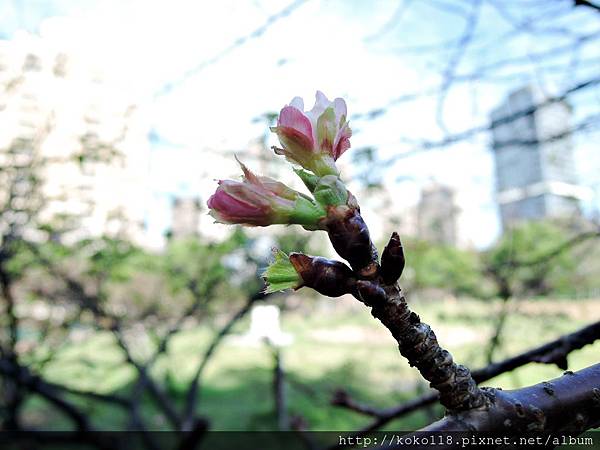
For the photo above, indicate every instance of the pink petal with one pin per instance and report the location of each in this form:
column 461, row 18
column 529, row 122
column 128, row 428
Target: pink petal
column 342, row 141
column 321, row 101
column 339, row 106
column 291, row 117
column 252, row 194
column 277, row 188
column 232, row 209
column 297, row 103
column 321, row 104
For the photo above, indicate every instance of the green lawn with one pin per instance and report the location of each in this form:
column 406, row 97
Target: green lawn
column 336, row 344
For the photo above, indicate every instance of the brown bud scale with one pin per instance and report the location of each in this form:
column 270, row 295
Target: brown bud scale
column 350, row 238
column 392, row 260
column 328, row 277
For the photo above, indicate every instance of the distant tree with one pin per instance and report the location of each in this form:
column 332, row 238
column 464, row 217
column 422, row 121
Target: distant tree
column 518, row 259
column 445, row 267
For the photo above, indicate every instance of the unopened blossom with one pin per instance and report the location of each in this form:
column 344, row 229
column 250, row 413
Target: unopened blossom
column 262, row 201
column 314, row 139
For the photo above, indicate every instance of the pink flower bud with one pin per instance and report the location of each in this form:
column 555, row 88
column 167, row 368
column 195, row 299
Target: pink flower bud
column 261, row 201
column 315, row 138
column 241, row 208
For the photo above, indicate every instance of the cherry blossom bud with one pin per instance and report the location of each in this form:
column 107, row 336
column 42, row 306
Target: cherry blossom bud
column 392, row 260
column 327, row 277
column 262, row 201
column 350, row 237
column 314, row 139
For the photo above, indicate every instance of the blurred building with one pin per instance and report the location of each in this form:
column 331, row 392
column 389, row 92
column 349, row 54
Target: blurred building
column 437, row 214
column 81, row 136
column 535, row 169
column 185, row 218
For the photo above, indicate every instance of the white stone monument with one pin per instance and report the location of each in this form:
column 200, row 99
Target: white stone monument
column 265, row 326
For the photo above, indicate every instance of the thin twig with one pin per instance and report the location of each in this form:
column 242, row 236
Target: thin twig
column 194, row 388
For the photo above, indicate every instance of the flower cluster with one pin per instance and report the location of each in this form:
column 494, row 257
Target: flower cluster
column 313, row 140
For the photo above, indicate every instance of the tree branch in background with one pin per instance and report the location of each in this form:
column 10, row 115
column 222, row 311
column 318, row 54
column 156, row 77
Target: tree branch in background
column 34, row 383
column 13, row 395
column 572, row 242
column 505, row 290
column 192, row 394
column 586, row 3
column 496, row 339
column 423, row 145
column 457, row 55
column 554, row 352
column 162, row 399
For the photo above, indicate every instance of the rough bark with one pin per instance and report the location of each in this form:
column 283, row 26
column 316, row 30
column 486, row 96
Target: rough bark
column 567, row 405
column 553, row 352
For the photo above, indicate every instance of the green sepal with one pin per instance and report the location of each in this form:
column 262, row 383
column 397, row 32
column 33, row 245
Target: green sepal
column 307, row 213
column 280, row 274
column 322, row 165
column 330, row 191
column 309, row 180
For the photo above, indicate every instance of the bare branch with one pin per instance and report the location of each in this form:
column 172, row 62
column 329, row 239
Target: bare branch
column 34, row 383
column 459, row 52
column 166, row 88
column 194, row 388
column 549, row 353
column 424, row 145
column 568, row 404
column 392, row 22
column 587, row 3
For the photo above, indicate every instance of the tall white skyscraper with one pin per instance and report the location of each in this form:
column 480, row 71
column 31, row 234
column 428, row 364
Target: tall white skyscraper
column 533, row 152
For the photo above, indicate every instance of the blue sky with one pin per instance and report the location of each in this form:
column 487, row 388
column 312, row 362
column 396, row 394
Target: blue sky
column 203, row 77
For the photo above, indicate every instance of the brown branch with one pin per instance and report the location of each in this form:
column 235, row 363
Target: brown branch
column 551, row 353
column 566, row 405
column 505, row 290
column 22, row 376
column 496, row 339
column 416, row 340
column 194, row 389
column 342, row 399
column 146, row 381
column 13, row 394
column 554, row 352
column 190, row 311
column 586, row 3
column 279, row 393
column 106, row 398
column 113, row 324
column 572, row 242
